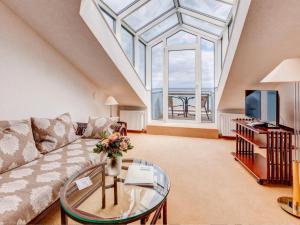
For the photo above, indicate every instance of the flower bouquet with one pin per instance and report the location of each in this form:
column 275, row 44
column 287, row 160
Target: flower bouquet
column 114, row 146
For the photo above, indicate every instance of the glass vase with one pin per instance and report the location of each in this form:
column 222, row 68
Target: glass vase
column 114, row 166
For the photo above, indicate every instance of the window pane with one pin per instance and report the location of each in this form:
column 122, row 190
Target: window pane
column 127, row 41
column 118, row 5
column 182, row 82
column 212, row 8
column 181, row 38
column 148, row 12
column 110, row 21
column 207, row 81
column 202, row 25
column 142, row 62
column 160, row 28
column 157, row 81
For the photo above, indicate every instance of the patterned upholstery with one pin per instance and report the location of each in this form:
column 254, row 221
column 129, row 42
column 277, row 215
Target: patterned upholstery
column 51, row 134
column 97, row 125
column 17, row 145
column 28, row 190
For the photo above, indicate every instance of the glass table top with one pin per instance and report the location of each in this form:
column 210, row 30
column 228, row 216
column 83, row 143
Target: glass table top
column 133, row 202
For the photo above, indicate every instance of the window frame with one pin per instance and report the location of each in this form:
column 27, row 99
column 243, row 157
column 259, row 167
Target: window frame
column 122, row 10
column 110, row 16
column 206, row 14
column 154, row 37
column 148, row 23
column 177, row 33
column 133, row 45
column 144, row 81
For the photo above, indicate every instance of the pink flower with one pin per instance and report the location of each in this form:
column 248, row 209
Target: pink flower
column 123, row 145
column 113, row 137
column 105, row 142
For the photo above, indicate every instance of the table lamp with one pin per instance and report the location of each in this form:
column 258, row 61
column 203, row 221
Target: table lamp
column 111, row 101
column 288, row 71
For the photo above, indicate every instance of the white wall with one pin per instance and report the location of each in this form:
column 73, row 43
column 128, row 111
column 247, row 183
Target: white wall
column 271, row 34
column 35, row 80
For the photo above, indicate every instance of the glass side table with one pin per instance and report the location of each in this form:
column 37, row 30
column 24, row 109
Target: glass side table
column 109, row 201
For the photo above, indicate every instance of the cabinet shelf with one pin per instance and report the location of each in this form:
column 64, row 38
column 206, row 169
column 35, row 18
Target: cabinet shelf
column 257, row 143
column 276, row 167
column 256, row 165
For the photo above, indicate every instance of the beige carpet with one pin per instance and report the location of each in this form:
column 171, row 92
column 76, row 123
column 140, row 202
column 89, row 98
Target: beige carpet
column 207, row 185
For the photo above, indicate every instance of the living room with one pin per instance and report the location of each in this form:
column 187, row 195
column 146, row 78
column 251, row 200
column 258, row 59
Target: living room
column 150, row 112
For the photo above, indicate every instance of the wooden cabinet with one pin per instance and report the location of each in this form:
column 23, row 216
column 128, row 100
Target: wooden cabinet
column 276, row 167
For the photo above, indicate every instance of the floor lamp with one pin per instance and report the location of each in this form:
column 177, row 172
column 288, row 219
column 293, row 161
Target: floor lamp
column 288, row 71
column 111, row 101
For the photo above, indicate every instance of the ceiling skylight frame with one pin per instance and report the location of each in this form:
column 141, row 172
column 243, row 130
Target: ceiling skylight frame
column 178, row 9
column 202, row 29
column 157, row 21
column 181, row 30
column 207, row 15
column 122, row 10
column 150, row 22
column 176, row 3
column 202, row 17
column 104, row 12
column 230, row 2
column 161, row 33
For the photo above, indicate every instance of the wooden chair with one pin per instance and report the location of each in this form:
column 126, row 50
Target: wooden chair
column 204, row 101
column 171, row 105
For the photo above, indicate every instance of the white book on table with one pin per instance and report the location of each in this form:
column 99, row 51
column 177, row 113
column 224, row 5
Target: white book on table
column 140, row 175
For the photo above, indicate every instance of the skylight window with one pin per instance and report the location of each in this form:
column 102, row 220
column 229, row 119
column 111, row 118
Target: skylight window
column 127, row 43
column 109, row 19
column 182, row 38
column 202, row 25
column 213, row 8
column 160, row 28
column 118, row 5
column 148, row 12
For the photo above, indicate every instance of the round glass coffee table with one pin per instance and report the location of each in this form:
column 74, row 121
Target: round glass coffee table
column 107, row 200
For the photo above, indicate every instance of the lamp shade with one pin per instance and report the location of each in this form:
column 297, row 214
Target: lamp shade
column 111, row 101
column 287, row 71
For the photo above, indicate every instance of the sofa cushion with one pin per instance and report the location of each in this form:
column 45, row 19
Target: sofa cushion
column 51, row 134
column 28, row 190
column 97, row 125
column 17, row 145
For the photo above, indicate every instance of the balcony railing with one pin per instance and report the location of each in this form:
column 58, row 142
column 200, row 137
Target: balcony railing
column 182, row 104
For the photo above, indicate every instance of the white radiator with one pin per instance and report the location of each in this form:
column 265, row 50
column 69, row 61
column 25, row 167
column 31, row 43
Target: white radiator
column 225, row 123
column 136, row 120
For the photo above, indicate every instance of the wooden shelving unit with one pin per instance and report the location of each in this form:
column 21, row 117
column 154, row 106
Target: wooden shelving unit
column 276, row 167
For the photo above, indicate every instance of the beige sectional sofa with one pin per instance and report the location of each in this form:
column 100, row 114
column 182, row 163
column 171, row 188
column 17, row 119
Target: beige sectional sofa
column 28, row 190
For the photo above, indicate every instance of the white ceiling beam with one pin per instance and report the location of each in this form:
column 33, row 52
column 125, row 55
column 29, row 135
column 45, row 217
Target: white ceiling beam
column 162, row 36
column 202, row 17
column 177, row 5
column 201, row 32
column 156, row 21
column 231, row 2
column 106, row 8
column 202, row 35
column 132, row 8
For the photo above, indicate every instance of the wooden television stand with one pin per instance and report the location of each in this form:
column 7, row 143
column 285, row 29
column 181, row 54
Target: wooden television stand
column 276, row 167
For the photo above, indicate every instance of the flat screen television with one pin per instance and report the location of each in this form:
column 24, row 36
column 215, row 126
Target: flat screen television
column 263, row 106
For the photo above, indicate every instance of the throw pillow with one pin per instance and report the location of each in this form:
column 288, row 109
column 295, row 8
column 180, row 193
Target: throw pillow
column 97, row 125
column 17, row 145
column 51, row 134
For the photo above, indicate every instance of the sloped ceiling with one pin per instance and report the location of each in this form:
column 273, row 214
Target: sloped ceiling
column 271, row 33
column 59, row 23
